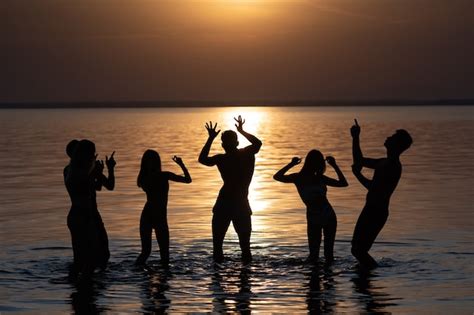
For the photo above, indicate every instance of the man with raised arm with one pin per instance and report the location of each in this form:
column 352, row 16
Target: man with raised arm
column 236, row 167
column 387, row 172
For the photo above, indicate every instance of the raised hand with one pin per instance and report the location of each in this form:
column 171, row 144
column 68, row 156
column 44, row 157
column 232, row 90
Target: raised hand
column 110, row 162
column 178, row 160
column 331, row 160
column 240, row 123
column 355, row 130
column 295, row 161
column 212, row 130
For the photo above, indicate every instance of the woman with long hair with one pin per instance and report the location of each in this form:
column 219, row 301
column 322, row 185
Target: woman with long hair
column 155, row 183
column 311, row 184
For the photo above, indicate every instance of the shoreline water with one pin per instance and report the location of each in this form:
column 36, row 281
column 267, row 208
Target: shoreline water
column 425, row 248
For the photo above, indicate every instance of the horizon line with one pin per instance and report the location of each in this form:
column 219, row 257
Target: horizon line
column 228, row 103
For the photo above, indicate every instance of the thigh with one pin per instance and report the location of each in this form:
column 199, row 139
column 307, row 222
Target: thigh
column 313, row 222
column 220, row 224
column 146, row 226
column 242, row 224
column 368, row 226
column 160, row 224
column 330, row 228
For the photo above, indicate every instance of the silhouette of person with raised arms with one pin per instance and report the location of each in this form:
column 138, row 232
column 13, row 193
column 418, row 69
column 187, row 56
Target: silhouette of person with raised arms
column 155, row 183
column 80, row 180
column 82, row 177
column 311, row 184
column 387, row 173
column 236, row 167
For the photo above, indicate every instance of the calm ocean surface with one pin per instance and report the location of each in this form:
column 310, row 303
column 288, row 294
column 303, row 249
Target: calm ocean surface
column 426, row 249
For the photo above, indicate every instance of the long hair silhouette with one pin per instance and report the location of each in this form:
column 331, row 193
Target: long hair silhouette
column 314, row 163
column 151, row 163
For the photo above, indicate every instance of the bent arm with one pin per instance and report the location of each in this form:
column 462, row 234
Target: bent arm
column 339, row 182
column 178, row 178
column 204, row 155
column 109, row 182
column 367, row 183
column 256, row 144
column 181, row 179
column 281, row 177
column 358, row 157
column 356, row 151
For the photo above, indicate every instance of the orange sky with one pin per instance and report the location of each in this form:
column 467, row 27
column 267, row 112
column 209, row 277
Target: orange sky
column 120, row 50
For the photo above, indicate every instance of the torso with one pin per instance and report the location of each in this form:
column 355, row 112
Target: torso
column 236, row 170
column 81, row 191
column 156, row 187
column 385, row 180
column 312, row 191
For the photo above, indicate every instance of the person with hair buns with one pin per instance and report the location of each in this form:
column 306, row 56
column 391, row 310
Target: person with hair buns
column 312, row 188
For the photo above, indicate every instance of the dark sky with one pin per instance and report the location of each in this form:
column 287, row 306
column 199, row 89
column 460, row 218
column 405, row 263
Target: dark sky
column 125, row 50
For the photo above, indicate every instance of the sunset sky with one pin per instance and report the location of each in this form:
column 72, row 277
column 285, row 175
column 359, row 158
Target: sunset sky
column 235, row 50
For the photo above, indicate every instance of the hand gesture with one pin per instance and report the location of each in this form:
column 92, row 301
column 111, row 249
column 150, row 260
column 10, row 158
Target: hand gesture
column 240, row 123
column 295, row 161
column 178, row 160
column 212, row 130
column 110, row 162
column 331, row 160
column 355, row 130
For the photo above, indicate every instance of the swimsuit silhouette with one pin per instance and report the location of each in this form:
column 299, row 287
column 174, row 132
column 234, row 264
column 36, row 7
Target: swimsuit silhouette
column 387, row 173
column 311, row 184
column 155, row 183
column 236, row 167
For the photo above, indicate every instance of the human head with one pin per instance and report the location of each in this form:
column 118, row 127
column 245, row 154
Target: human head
column 151, row 161
column 83, row 156
column 314, row 163
column 398, row 142
column 71, row 146
column 229, row 140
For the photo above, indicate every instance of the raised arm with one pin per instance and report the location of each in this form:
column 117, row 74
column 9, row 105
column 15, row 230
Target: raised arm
column 256, row 143
column 280, row 175
column 109, row 182
column 357, row 156
column 177, row 178
column 341, row 179
column 356, row 170
column 204, row 155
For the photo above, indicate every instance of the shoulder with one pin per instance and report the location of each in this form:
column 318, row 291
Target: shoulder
column 248, row 150
column 218, row 158
column 391, row 168
column 323, row 179
column 297, row 178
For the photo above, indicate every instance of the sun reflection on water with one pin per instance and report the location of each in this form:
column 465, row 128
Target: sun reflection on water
column 253, row 118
